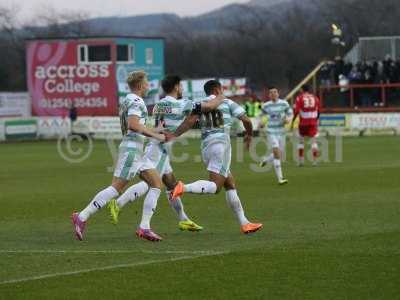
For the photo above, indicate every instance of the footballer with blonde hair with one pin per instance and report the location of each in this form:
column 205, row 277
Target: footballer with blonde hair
column 131, row 161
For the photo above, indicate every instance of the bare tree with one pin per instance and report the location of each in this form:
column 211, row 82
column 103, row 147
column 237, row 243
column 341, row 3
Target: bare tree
column 12, row 70
column 49, row 23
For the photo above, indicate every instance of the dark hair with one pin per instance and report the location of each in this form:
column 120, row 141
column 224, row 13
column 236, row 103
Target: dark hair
column 272, row 87
column 210, row 85
column 169, row 82
column 305, row 88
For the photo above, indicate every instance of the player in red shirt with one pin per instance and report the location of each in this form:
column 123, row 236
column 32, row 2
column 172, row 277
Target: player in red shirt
column 307, row 106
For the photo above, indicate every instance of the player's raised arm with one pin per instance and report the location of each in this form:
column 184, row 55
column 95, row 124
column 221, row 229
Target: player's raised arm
column 186, row 125
column 212, row 104
column 134, row 125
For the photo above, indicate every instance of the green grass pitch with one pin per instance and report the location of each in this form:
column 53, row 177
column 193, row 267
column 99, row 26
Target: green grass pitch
column 332, row 233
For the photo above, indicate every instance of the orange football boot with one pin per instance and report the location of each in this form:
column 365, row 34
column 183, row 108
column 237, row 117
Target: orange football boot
column 250, row 227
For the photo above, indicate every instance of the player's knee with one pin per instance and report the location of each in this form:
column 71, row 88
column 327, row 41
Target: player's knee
column 118, row 185
column 170, row 185
column 229, row 186
column 118, row 189
column 155, row 183
column 219, row 186
column 229, row 183
column 277, row 153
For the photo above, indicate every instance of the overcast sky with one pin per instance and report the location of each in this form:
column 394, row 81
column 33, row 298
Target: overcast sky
column 121, row 7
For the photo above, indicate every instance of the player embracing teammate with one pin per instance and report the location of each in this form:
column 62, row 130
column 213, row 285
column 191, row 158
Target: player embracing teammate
column 307, row 107
column 152, row 164
column 216, row 150
column 169, row 113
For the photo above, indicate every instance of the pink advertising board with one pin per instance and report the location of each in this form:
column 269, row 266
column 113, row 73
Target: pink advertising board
column 56, row 80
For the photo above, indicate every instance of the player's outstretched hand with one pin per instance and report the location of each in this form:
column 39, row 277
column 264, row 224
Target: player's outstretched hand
column 247, row 141
column 160, row 137
column 169, row 136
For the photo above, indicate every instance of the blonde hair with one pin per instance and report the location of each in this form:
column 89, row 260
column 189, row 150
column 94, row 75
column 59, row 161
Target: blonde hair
column 136, row 79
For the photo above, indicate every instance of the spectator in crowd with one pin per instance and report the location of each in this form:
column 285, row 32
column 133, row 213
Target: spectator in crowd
column 367, row 77
column 338, row 68
column 355, row 75
column 343, row 83
column 380, row 72
column 364, row 72
column 392, row 75
column 397, row 66
column 386, row 68
column 347, row 68
column 325, row 74
column 73, row 115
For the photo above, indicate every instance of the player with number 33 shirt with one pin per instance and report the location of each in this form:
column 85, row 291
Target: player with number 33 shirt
column 307, row 107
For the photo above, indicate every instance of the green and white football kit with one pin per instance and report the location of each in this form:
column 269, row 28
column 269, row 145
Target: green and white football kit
column 215, row 134
column 171, row 112
column 277, row 112
column 131, row 158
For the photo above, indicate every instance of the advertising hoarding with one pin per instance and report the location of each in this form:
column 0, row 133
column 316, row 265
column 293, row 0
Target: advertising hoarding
column 56, row 80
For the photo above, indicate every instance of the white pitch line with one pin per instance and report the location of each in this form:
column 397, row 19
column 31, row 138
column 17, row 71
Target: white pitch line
column 127, row 251
column 132, row 265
